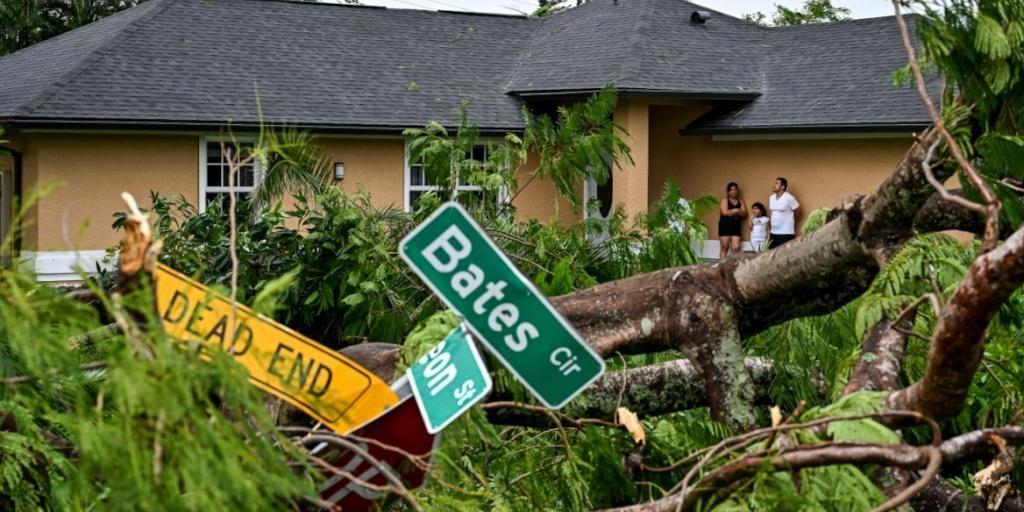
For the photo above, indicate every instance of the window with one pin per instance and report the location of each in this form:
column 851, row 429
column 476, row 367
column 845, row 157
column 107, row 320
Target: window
column 214, row 170
column 418, row 183
column 602, row 207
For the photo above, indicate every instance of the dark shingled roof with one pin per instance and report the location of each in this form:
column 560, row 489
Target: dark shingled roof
column 327, row 66
column 320, row 65
column 642, row 45
column 829, row 76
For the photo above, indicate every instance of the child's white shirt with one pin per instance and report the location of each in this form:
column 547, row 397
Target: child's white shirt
column 759, row 228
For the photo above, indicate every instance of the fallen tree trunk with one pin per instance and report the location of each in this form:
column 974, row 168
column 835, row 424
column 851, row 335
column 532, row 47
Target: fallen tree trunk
column 648, row 391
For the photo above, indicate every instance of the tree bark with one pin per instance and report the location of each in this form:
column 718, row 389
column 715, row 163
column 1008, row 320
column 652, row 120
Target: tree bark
column 937, row 214
column 881, row 358
column 648, row 391
column 940, row 496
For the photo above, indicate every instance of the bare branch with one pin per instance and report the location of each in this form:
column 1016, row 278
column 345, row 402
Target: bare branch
column 979, row 443
column 22, row 379
column 940, row 189
column 992, row 201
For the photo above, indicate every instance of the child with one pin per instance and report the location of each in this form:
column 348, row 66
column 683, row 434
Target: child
column 759, row 228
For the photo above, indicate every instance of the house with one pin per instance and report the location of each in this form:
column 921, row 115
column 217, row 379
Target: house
column 138, row 101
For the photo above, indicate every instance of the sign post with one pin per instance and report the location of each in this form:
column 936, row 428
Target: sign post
column 325, row 384
column 448, row 380
column 454, row 256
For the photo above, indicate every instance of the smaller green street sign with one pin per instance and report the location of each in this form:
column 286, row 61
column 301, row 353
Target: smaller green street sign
column 461, row 264
column 448, row 380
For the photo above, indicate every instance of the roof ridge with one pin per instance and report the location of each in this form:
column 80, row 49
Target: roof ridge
column 630, row 70
column 65, row 78
column 384, row 7
column 872, row 19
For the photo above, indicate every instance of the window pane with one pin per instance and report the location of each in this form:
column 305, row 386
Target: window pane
column 413, row 196
column 428, row 179
column 213, row 198
column 480, row 153
column 604, row 194
column 213, row 175
column 213, row 155
column 416, row 177
column 246, row 176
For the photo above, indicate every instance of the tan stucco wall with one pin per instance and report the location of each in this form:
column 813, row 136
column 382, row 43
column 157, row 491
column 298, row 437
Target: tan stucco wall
column 94, row 168
column 374, row 165
column 539, row 198
column 632, row 183
column 821, row 172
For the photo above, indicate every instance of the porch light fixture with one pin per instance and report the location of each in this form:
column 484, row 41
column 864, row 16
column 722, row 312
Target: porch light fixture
column 339, row 170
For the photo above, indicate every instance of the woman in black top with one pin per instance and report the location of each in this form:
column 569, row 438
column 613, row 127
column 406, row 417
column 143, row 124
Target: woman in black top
column 730, row 224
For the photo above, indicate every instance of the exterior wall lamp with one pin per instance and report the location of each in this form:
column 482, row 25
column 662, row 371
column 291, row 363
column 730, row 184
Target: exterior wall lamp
column 339, row 170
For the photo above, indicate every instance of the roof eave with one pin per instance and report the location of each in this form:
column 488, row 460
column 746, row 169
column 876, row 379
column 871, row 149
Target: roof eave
column 627, row 92
column 806, row 128
column 206, row 126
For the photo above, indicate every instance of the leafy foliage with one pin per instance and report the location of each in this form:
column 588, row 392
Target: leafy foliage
column 549, row 7
column 167, row 431
column 293, row 163
column 448, row 162
column 978, row 45
column 813, row 11
column 581, row 143
column 349, row 284
column 26, row 22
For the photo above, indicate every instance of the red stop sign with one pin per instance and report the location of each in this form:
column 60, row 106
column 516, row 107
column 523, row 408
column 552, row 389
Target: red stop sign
column 402, row 427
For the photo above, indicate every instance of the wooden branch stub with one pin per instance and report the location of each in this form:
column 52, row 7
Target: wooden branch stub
column 138, row 250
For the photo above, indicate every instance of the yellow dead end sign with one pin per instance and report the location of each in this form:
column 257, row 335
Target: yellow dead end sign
column 325, row 384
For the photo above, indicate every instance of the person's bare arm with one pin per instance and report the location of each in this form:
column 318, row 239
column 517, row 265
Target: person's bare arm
column 743, row 208
column 723, row 206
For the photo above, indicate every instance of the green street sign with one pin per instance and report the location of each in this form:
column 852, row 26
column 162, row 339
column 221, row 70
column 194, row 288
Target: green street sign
column 500, row 306
column 448, row 380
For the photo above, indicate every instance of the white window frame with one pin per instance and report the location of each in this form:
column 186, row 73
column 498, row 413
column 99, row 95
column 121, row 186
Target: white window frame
column 409, row 188
column 205, row 189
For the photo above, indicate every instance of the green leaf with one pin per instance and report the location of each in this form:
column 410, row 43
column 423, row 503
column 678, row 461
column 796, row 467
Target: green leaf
column 862, row 431
column 990, row 39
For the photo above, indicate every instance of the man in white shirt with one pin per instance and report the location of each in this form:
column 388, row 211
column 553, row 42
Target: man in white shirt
column 783, row 206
